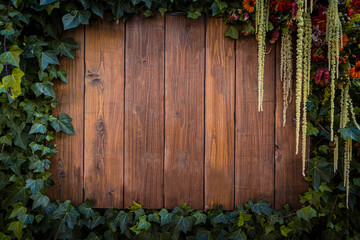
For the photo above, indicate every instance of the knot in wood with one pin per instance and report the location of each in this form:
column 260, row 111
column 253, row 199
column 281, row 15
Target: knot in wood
column 100, row 126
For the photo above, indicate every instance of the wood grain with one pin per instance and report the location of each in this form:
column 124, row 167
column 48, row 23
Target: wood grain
column 67, row 164
column 219, row 116
column 104, row 114
column 144, row 111
column 254, row 146
column 289, row 182
column 184, row 111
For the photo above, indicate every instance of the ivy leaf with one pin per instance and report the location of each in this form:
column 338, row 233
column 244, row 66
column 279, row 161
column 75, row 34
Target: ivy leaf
column 117, row 9
column 123, row 219
column 13, row 81
column 37, row 128
column 200, row 218
column 194, row 15
column 97, row 220
column 17, row 193
column 12, row 56
column 182, row 223
column 64, row 217
column 18, row 210
column 221, row 218
column 62, row 74
column 43, row 88
column 16, row 227
column 143, row 224
column 261, row 207
column 232, row 32
column 63, row 124
column 243, row 217
column 203, row 234
column 165, row 217
column 319, row 169
column 44, row 2
column 39, row 200
column 93, row 236
column 311, row 130
column 306, row 213
column 4, row 237
column 66, row 47
column 34, row 185
column 238, row 235
column 26, row 218
column 284, row 230
column 353, row 133
column 86, row 208
column 48, row 57
column 221, row 5
column 75, row 18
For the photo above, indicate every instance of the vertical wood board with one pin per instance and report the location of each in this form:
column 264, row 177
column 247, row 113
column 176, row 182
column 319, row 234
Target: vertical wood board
column 144, row 111
column 219, row 116
column 184, row 111
column 104, row 114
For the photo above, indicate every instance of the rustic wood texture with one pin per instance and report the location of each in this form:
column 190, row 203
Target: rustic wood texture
column 289, row 182
column 254, row 144
column 219, row 116
column 184, row 111
column 144, row 111
column 165, row 112
column 67, row 164
column 104, row 114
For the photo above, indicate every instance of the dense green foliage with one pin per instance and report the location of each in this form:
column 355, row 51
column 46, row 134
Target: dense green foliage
column 30, row 51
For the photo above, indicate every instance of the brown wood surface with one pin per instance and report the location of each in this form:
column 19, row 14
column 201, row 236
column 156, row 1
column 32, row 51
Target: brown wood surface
column 165, row 112
column 104, row 114
column 144, row 111
column 289, row 182
column 219, row 116
column 67, row 164
column 254, row 145
column 184, row 111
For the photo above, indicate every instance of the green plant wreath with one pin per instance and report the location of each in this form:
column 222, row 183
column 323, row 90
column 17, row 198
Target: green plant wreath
column 327, row 80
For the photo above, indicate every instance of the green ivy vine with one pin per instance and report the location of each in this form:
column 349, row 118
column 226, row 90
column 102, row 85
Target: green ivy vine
column 29, row 59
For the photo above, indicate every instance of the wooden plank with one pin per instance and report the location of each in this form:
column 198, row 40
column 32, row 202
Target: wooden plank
column 104, row 114
column 144, row 111
column 219, row 116
column 184, row 111
column 67, row 164
column 289, row 182
column 254, row 144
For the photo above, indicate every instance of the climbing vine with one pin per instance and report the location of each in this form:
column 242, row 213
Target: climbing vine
column 327, row 82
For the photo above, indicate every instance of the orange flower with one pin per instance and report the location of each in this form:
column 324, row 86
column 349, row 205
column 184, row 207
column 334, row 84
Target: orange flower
column 345, row 41
column 249, row 5
column 355, row 71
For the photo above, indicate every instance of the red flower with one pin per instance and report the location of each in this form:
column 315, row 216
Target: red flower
column 319, row 21
column 322, row 76
column 355, row 6
column 281, row 5
column 275, row 36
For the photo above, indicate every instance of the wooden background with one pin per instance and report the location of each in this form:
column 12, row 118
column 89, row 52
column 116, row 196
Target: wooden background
column 165, row 112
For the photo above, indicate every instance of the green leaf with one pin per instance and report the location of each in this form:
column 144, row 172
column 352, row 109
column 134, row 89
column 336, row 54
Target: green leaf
column 13, row 82
column 39, row 200
column 221, row 218
column 165, row 217
column 48, row 57
column 34, row 185
column 123, row 219
column 44, row 2
column 18, row 210
column 66, row 47
column 43, row 88
column 243, row 217
column 238, row 235
column 320, row 170
column 352, row 133
column 63, row 124
column 182, row 223
column 200, row 218
column 16, row 227
column 6, row 139
column 143, row 224
column 75, row 18
column 311, row 130
column 93, row 236
column 221, row 5
column 17, row 193
column 306, row 213
column 64, row 217
column 86, row 208
column 261, row 207
column 97, row 220
column 12, row 56
column 62, row 74
column 4, row 237
column 284, row 230
column 194, row 15
column 135, row 205
column 232, row 32
column 203, row 234
column 37, row 128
